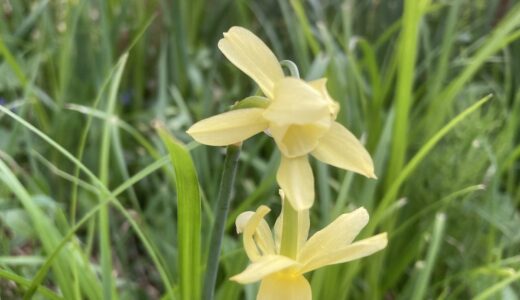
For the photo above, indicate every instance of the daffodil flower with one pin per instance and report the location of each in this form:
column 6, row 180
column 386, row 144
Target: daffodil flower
column 281, row 276
column 299, row 116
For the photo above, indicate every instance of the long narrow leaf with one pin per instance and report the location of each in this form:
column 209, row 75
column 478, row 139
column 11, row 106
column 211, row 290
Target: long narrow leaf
column 188, row 216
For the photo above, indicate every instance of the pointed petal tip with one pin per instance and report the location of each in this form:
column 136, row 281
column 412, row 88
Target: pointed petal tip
column 219, row 44
column 340, row 148
column 297, row 205
column 190, row 131
column 383, row 240
column 194, row 132
column 235, row 278
column 238, row 278
column 242, row 220
column 235, row 28
column 384, row 236
column 229, row 127
column 380, row 240
column 368, row 170
column 362, row 210
column 252, row 56
column 297, row 181
column 372, row 175
column 226, row 34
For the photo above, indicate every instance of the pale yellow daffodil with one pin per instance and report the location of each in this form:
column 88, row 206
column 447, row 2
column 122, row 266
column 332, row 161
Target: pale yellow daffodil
column 299, row 116
column 281, row 276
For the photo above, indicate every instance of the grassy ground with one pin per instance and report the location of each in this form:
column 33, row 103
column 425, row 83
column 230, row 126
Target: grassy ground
column 87, row 205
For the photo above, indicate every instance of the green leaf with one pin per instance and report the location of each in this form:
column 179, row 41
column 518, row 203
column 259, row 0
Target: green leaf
column 393, row 190
column 420, row 288
column 188, row 215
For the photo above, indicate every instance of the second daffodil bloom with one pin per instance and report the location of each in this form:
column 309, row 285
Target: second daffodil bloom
column 281, row 276
column 299, row 115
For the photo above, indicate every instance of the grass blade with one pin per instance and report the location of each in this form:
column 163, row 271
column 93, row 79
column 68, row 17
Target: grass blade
column 407, row 53
column 188, row 216
column 487, row 293
column 24, row 282
column 103, row 189
column 104, row 165
column 425, row 274
column 414, row 162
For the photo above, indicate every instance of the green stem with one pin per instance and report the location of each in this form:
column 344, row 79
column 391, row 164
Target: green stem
column 291, row 66
column 289, row 242
column 223, row 202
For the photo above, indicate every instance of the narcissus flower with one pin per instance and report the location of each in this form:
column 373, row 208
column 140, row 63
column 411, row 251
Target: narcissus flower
column 281, row 276
column 299, row 116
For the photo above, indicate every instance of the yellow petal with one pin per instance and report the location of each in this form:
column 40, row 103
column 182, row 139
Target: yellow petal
column 336, row 235
column 263, row 267
column 251, row 228
column 296, row 102
column 342, row 149
column 278, row 225
column 229, row 128
column 297, row 181
column 321, row 86
column 242, row 220
column 281, row 286
column 262, row 236
column 351, row 252
column 250, row 54
column 298, row 140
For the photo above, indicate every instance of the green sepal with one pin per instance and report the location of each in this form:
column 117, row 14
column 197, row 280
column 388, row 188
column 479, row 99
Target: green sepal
column 251, row 102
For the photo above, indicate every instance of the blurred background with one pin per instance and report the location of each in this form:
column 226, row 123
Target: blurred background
column 93, row 76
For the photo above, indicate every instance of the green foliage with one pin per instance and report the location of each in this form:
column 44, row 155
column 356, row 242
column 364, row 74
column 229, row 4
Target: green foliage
column 188, row 216
column 85, row 212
